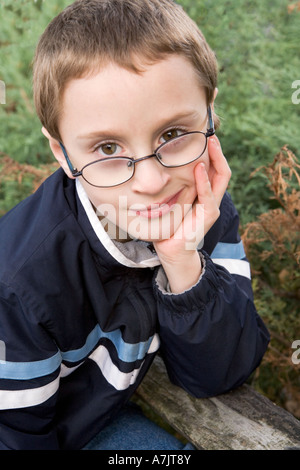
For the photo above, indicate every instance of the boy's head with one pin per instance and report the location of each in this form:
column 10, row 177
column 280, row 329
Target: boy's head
column 89, row 34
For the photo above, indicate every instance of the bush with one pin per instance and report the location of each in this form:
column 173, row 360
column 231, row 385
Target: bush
column 272, row 245
column 21, row 24
column 17, row 180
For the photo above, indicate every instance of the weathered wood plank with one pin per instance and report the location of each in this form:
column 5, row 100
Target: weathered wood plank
column 239, row 420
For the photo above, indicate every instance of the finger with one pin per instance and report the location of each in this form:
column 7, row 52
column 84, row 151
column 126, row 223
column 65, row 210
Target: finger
column 202, row 214
column 204, row 187
column 206, row 196
column 219, row 171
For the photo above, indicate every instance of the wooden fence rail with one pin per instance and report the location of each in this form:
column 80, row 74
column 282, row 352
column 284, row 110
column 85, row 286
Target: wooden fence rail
column 239, row 420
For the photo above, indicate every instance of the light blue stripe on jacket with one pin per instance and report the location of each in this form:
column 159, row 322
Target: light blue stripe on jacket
column 29, row 370
column 127, row 352
column 229, row 250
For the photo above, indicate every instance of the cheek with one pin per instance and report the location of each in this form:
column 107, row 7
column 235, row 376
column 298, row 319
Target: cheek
column 92, row 193
column 187, row 172
column 104, row 202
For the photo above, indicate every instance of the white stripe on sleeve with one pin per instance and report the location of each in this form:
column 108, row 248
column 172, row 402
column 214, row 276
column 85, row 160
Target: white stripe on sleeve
column 235, row 266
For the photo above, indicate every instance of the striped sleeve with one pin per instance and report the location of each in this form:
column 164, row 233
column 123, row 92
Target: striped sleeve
column 232, row 257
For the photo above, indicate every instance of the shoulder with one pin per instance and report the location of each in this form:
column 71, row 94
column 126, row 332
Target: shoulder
column 228, row 210
column 25, row 228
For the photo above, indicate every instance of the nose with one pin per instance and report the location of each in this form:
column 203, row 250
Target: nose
column 150, row 176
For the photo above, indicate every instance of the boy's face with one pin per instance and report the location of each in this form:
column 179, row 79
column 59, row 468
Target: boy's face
column 133, row 113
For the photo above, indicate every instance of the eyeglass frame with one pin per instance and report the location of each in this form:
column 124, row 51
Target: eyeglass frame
column 210, row 132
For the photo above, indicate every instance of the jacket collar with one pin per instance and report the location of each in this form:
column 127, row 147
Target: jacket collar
column 132, row 254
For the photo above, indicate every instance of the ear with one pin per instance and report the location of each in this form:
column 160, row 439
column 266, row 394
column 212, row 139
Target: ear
column 215, row 95
column 58, row 153
column 215, row 116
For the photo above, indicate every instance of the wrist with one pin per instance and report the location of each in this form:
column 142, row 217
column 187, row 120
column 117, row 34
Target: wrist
column 184, row 272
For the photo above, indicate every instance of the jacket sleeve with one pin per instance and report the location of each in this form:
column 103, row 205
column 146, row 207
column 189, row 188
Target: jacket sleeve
column 29, row 378
column 211, row 335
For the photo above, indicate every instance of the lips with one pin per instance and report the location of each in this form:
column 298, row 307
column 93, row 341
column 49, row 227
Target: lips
column 157, row 209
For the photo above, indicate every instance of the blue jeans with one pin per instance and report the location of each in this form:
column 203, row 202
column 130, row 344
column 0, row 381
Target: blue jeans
column 131, row 430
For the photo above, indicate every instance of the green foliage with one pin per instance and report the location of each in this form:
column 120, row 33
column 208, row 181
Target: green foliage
column 21, row 24
column 19, row 180
column 272, row 245
column 10, row 192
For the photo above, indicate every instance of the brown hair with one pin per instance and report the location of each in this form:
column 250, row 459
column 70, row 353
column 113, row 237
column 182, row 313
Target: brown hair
column 90, row 33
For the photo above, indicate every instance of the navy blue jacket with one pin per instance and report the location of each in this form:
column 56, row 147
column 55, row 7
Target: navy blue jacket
column 79, row 329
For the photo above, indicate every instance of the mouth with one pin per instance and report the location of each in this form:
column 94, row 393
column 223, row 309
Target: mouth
column 157, row 209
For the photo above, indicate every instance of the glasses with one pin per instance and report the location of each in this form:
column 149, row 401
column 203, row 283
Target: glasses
column 178, row 151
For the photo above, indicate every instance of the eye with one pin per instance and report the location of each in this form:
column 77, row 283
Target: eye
column 109, row 149
column 171, row 134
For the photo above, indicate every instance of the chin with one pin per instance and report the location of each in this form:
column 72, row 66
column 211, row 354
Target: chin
column 153, row 231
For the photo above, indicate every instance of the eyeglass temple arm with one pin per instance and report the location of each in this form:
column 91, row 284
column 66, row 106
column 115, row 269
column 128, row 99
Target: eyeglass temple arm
column 73, row 170
column 211, row 130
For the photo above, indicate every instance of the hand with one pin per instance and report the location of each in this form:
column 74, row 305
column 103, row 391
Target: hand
column 219, row 172
column 179, row 252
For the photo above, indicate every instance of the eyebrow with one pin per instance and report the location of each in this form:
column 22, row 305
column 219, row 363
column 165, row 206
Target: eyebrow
column 111, row 134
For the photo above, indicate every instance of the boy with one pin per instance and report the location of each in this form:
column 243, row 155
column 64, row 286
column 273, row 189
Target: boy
column 132, row 246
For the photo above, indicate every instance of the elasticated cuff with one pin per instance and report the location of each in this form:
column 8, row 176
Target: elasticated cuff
column 195, row 297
